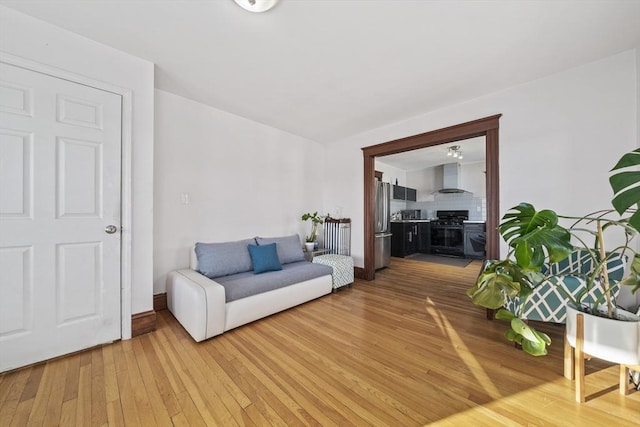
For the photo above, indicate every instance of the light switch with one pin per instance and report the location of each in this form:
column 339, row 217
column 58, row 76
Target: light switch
column 184, row 198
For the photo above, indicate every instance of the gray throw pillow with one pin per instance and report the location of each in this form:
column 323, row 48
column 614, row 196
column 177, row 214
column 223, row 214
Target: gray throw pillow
column 289, row 247
column 223, row 259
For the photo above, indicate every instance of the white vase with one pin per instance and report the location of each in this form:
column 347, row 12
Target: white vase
column 309, row 246
column 616, row 341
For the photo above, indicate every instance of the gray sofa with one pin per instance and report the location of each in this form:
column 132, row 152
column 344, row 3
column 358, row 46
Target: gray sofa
column 233, row 283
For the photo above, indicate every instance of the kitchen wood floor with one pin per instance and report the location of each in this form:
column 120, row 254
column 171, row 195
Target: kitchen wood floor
column 407, row 349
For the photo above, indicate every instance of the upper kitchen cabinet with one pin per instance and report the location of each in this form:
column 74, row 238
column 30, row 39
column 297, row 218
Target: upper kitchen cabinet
column 404, row 193
column 411, row 194
column 399, row 192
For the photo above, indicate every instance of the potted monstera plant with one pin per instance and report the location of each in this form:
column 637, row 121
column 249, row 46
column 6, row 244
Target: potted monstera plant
column 540, row 238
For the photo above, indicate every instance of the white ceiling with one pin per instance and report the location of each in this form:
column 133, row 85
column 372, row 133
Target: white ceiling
column 328, row 69
column 473, row 151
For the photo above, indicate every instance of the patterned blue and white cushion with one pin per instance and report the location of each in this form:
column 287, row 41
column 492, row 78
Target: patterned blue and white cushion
column 547, row 302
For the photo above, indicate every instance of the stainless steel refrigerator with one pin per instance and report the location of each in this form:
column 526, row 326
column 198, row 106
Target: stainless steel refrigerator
column 383, row 225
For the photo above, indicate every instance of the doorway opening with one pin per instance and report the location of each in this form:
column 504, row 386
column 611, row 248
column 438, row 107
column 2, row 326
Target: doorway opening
column 487, row 127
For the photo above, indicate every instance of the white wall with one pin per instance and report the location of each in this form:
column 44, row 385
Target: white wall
column 473, row 178
column 390, row 174
column 244, row 179
column 567, row 128
column 35, row 40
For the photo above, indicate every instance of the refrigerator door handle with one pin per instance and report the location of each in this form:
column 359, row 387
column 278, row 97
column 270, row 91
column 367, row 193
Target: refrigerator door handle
column 381, row 235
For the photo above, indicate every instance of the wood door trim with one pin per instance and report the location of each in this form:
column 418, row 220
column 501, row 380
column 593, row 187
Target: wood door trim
column 487, row 127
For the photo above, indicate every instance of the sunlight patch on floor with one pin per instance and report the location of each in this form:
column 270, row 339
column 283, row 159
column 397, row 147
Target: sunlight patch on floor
column 551, row 405
column 465, row 355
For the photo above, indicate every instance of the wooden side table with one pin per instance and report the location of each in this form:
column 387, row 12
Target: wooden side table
column 310, row 255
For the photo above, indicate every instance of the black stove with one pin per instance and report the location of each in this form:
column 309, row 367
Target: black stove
column 447, row 235
column 451, row 217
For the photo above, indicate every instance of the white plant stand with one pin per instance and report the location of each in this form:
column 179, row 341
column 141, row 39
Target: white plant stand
column 607, row 339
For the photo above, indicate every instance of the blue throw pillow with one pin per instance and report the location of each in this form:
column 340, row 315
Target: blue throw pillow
column 264, row 258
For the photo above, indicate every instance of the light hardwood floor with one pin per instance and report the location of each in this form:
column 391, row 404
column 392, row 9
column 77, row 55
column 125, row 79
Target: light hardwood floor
column 407, row 349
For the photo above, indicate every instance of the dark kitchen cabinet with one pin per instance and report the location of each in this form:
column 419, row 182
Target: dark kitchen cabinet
column 411, row 194
column 397, row 239
column 404, row 193
column 404, row 239
column 475, row 240
column 399, row 192
column 424, row 237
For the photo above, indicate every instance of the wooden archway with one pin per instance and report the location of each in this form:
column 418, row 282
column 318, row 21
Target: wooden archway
column 487, row 127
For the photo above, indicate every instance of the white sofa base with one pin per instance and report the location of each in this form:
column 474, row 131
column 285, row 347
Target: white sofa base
column 199, row 302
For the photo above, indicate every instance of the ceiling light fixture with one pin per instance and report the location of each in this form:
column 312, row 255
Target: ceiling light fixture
column 256, row 5
column 455, row 152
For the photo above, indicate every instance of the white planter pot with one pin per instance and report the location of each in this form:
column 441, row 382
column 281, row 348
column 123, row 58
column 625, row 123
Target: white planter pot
column 613, row 340
column 309, row 246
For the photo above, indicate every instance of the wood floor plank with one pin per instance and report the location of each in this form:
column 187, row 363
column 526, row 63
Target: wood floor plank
column 54, row 404
column 31, row 387
column 39, row 408
column 126, row 397
column 190, row 387
column 98, row 389
column 21, row 416
column 143, row 407
column 115, row 416
column 149, row 380
column 160, row 348
column 68, row 413
column 189, row 414
column 406, row 349
column 72, row 378
column 83, row 402
column 203, row 382
column 13, row 385
column 127, row 400
column 111, row 392
column 162, row 382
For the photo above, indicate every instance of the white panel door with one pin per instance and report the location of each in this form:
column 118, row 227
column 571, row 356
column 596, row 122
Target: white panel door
column 60, row 146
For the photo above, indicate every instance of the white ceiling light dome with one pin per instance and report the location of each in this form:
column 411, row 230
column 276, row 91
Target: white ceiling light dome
column 256, row 5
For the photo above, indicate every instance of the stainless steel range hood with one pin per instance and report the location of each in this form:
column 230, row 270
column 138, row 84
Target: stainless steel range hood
column 451, row 179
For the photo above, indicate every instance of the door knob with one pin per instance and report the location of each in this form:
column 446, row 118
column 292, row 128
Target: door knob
column 110, row 229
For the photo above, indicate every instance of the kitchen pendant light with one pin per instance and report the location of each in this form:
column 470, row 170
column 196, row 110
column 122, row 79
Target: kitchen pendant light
column 455, row 152
column 256, row 5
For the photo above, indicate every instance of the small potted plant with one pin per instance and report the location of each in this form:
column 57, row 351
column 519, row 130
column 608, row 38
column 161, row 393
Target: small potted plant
column 537, row 237
column 310, row 240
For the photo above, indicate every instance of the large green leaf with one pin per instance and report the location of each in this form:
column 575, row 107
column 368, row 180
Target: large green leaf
column 625, row 186
column 633, row 279
column 504, row 314
column 534, row 348
column 523, row 329
column 498, row 281
column 532, row 341
column 535, row 236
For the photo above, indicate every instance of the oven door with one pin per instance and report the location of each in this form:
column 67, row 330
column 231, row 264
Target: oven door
column 447, row 240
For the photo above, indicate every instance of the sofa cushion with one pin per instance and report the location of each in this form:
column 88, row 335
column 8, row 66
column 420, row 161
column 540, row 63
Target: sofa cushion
column 223, row 259
column 246, row 284
column 289, row 247
column 264, row 258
